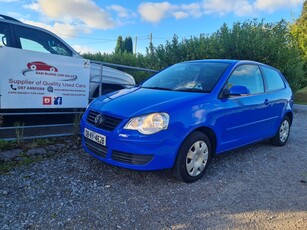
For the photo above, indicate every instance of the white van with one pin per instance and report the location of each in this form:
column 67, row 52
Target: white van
column 38, row 70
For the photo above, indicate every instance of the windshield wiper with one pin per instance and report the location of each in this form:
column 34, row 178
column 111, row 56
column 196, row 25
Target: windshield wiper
column 191, row 90
column 158, row 88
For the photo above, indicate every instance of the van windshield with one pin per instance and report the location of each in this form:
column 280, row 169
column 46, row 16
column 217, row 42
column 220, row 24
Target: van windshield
column 188, row 76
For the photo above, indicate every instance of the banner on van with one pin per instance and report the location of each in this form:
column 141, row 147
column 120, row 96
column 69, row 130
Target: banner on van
column 31, row 79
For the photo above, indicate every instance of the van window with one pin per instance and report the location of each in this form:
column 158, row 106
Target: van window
column 272, row 79
column 248, row 76
column 4, row 34
column 39, row 41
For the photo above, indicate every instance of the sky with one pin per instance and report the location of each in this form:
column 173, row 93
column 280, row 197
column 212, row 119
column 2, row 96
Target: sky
column 94, row 25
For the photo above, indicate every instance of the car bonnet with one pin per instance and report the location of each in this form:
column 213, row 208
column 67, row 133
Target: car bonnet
column 138, row 101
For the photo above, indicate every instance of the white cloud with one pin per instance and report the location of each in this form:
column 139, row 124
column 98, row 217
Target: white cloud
column 272, row 5
column 84, row 49
column 75, row 12
column 223, row 7
column 33, row 6
column 154, row 12
column 220, row 7
column 180, row 14
column 193, row 9
column 121, row 11
column 61, row 29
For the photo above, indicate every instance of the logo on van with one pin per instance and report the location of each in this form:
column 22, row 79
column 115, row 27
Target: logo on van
column 42, row 69
column 38, row 65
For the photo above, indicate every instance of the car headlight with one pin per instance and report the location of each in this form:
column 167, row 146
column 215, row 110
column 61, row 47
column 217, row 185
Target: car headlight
column 149, row 124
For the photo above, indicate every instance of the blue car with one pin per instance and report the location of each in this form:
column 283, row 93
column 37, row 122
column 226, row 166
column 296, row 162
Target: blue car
column 180, row 117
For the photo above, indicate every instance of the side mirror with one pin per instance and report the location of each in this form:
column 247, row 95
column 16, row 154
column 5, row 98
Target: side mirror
column 236, row 90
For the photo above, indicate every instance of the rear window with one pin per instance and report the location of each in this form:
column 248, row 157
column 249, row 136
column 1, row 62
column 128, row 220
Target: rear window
column 272, row 79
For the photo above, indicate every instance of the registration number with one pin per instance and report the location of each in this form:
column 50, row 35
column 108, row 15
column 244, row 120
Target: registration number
column 98, row 138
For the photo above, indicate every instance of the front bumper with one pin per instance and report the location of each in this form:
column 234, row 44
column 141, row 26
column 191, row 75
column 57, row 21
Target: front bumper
column 130, row 150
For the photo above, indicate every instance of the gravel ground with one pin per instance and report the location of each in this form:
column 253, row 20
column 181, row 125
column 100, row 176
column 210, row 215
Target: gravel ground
column 256, row 187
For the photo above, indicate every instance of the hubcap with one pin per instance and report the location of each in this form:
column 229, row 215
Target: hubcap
column 284, row 131
column 197, row 158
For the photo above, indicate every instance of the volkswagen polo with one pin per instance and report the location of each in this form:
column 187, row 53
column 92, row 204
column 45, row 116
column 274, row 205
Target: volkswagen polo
column 180, row 117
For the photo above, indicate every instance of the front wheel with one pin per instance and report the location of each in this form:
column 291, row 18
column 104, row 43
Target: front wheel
column 283, row 133
column 193, row 157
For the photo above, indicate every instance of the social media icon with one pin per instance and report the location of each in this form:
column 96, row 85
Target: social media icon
column 47, row 100
column 57, row 101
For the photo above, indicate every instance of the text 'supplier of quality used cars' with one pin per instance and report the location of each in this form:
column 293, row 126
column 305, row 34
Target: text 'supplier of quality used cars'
column 183, row 115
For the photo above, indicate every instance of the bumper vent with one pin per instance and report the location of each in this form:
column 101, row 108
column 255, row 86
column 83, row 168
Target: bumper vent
column 96, row 148
column 128, row 158
column 105, row 122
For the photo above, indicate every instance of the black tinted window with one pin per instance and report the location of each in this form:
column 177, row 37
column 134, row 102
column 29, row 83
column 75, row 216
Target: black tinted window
column 248, row 76
column 272, row 78
column 36, row 40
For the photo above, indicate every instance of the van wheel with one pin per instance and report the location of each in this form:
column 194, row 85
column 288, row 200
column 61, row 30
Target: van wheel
column 193, row 157
column 282, row 134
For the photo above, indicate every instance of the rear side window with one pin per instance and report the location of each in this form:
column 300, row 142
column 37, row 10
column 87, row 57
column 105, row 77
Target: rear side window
column 36, row 40
column 272, row 79
column 248, row 76
column 4, row 34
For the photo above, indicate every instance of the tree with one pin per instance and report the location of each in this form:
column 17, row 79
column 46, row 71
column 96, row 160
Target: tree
column 119, row 45
column 128, row 46
column 299, row 30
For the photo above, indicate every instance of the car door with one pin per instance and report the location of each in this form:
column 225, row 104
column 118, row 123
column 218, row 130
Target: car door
column 41, row 71
column 245, row 116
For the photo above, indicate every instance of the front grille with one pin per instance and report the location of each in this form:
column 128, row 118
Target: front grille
column 96, row 148
column 129, row 158
column 108, row 123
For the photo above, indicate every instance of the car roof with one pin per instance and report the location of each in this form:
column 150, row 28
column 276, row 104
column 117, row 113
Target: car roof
column 228, row 61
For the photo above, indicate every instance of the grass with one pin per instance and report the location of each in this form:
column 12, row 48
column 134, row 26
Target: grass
column 30, row 144
column 24, row 159
column 300, row 96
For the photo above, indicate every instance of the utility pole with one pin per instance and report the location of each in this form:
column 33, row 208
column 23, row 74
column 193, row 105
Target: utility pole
column 135, row 44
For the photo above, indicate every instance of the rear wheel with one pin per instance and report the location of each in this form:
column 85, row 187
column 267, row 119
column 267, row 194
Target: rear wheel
column 33, row 67
column 283, row 133
column 193, row 157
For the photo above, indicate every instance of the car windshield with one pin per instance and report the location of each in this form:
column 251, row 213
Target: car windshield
column 188, row 76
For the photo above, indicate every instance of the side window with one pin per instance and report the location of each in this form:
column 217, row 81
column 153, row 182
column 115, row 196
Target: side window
column 248, row 76
column 4, row 34
column 36, row 40
column 272, row 79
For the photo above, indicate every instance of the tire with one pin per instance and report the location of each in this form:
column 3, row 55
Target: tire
column 33, row 67
column 282, row 134
column 193, row 157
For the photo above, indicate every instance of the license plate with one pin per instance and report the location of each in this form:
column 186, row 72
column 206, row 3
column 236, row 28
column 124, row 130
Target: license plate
column 100, row 139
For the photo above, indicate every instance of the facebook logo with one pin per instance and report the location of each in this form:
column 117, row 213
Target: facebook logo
column 57, row 101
